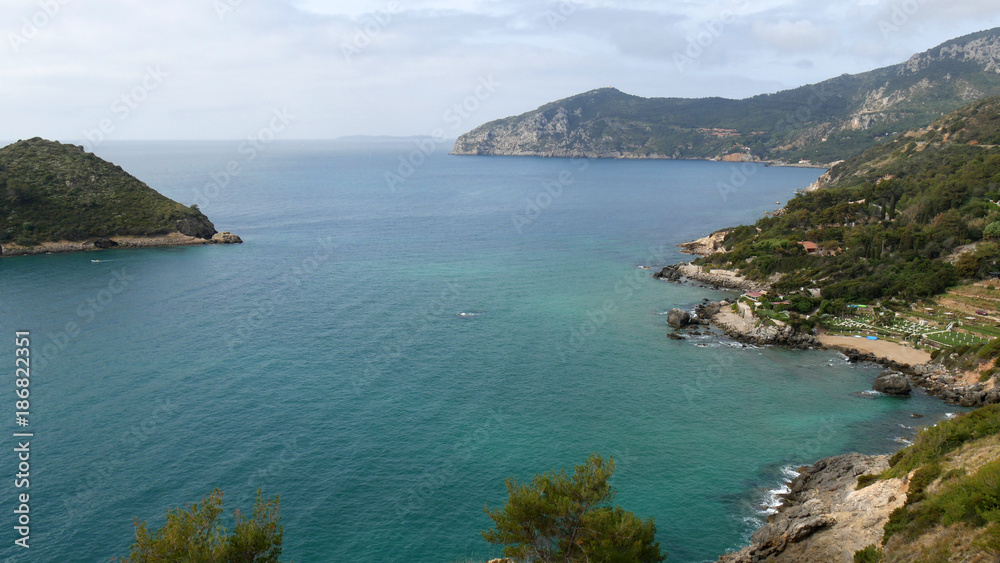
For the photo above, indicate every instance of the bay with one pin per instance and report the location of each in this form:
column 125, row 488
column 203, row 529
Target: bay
column 400, row 332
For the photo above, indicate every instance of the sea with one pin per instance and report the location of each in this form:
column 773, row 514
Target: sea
column 401, row 331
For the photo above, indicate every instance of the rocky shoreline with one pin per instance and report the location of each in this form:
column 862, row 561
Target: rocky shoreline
column 714, row 278
column 171, row 239
column 823, row 517
column 742, row 327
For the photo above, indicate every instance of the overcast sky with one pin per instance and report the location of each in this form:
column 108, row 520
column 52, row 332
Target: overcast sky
column 221, row 69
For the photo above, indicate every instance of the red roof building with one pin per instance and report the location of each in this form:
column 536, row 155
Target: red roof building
column 809, row 246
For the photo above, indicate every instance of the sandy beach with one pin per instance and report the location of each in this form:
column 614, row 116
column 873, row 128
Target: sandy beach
column 880, row 348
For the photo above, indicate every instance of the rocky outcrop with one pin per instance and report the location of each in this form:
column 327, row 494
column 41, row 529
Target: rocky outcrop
column 824, row 518
column 706, row 246
column 678, row 318
column 743, row 327
column 892, row 383
column 712, row 278
column 936, row 380
column 226, row 237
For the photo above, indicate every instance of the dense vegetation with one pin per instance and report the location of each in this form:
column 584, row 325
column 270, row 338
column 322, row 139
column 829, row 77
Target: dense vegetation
column 195, row 535
column 561, row 518
column 823, row 123
column 888, row 219
column 944, row 493
column 53, row 191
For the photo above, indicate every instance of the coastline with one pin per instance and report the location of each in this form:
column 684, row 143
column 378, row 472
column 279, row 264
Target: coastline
column 936, row 380
column 822, row 517
column 171, row 239
column 633, row 156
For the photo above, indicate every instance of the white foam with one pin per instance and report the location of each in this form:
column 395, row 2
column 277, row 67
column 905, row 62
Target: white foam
column 774, row 497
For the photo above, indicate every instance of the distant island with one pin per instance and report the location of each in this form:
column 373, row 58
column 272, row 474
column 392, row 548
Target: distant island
column 59, row 198
column 812, row 125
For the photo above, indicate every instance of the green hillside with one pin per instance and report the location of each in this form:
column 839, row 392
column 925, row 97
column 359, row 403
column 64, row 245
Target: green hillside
column 821, row 123
column 887, row 220
column 952, row 510
column 54, row 191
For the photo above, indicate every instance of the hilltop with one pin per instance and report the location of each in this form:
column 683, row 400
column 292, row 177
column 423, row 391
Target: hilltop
column 820, row 123
column 58, row 197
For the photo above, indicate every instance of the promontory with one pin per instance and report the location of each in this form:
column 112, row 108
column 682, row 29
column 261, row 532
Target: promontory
column 59, row 198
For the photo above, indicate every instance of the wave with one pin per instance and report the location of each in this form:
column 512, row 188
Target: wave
column 774, row 497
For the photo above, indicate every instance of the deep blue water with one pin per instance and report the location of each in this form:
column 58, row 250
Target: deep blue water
column 383, row 358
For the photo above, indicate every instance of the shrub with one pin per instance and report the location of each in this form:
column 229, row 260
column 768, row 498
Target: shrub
column 870, row 554
column 193, row 534
column 561, row 518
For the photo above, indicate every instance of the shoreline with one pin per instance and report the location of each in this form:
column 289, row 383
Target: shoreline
column 117, row 242
column 593, row 156
column 936, row 380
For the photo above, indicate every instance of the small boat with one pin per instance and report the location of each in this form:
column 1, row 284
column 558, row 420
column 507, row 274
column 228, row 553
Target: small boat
column 95, row 261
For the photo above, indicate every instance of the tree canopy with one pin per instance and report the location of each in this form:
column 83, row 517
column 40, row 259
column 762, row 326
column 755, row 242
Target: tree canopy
column 557, row 517
column 194, row 535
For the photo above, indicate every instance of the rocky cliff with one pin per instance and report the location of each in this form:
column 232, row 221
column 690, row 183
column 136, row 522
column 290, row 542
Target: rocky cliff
column 935, row 500
column 821, row 123
column 824, row 518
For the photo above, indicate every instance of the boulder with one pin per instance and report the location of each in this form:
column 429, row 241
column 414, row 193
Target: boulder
column 678, row 318
column 225, row 237
column 892, row 383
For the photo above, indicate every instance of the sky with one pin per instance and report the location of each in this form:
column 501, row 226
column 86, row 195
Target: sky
column 95, row 70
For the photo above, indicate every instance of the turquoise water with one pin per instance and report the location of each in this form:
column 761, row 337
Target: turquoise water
column 384, row 358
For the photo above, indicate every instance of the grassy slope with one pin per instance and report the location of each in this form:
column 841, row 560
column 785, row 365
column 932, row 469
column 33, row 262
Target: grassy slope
column 51, row 191
column 953, row 499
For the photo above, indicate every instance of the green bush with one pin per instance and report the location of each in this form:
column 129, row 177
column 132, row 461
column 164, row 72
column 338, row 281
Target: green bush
column 568, row 519
column 865, row 480
column 194, row 535
column 933, row 443
column 870, row 554
column 922, row 477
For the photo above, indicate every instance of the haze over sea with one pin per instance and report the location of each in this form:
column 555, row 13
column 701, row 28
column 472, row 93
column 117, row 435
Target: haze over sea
column 384, row 358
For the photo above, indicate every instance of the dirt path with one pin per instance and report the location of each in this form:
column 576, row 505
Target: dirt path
column 881, row 348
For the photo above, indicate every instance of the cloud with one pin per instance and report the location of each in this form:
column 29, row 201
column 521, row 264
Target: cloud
column 395, row 66
column 791, row 37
